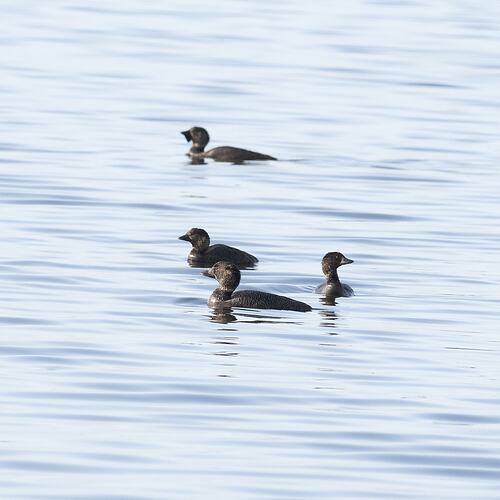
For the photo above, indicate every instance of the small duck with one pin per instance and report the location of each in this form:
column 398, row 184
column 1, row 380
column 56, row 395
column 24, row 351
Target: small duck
column 228, row 276
column 199, row 136
column 205, row 255
column 332, row 287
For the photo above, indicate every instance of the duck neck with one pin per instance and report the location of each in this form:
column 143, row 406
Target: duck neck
column 222, row 294
column 332, row 278
column 200, row 245
column 199, row 250
column 197, row 148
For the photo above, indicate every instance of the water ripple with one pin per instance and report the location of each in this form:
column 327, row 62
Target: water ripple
column 117, row 376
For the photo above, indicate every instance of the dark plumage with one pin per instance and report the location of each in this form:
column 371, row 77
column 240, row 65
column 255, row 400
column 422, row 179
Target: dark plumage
column 228, row 276
column 332, row 287
column 199, row 136
column 205, row 255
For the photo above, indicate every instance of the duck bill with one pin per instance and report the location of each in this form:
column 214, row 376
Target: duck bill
column 187, row 135
column 208, row 273
column 345, row 261
column 184, row 237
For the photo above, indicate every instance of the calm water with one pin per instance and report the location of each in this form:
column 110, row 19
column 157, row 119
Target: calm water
column 118, row 382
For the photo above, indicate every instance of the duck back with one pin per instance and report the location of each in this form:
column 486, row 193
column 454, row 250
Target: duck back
column 235, row 155
column 219, row 251
column 264, row 300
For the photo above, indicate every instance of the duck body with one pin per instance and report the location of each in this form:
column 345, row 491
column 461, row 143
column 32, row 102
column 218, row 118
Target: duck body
column 205, row 255
column 215, row 253
column 255, row 299
column 335, row 289
column 200, row 138
column 234, row 155
column 228, row 276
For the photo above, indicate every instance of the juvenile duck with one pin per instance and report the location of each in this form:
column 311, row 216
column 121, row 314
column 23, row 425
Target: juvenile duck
column 228, row 276
column 332, row 287
column 199, row 136
column 205, row 255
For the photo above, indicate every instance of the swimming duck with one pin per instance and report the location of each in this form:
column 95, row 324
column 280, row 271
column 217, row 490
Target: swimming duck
column 228, row 276
column 199, row 137
column 332, row 287
column 205, row 255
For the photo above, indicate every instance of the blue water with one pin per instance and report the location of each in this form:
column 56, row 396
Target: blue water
column 118, row 382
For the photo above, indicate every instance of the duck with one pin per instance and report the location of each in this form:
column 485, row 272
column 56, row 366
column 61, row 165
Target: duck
column 228, row 275
column 200, row 138
column 205, row 255
column 332, row 287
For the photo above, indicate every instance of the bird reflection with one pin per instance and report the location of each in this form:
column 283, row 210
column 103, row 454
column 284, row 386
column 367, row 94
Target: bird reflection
column 328, row 300
column 198, row 161
column 329, row 319
column 225, row 315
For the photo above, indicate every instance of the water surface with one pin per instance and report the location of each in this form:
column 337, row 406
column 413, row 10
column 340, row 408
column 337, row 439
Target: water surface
column 119, row 381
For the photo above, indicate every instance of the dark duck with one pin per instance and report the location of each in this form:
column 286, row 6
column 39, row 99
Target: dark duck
column 199, row 137
column 332, row 287
column 228, row 276
column 205, row 255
